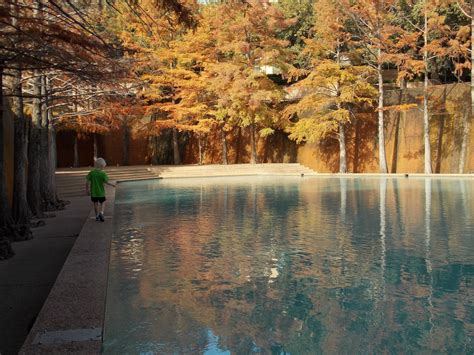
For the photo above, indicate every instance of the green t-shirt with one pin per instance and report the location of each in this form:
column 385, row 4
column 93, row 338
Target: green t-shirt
column 97, row 178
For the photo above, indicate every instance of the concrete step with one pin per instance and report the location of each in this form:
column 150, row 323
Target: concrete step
column 71, row 182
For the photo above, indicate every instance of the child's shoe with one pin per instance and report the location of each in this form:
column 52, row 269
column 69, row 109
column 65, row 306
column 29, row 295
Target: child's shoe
column 101, row 217
column 97, row 218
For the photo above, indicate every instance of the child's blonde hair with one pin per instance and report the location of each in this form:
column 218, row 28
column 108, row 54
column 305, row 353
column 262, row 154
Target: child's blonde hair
column 100, row 163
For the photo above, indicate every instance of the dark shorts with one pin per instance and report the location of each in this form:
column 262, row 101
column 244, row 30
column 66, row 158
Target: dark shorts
column 98, row 199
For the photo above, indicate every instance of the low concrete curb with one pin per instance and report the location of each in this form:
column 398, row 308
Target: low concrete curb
column 72, row 317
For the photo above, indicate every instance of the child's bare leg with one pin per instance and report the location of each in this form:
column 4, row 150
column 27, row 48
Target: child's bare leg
column 102, row 206
column 96, row 208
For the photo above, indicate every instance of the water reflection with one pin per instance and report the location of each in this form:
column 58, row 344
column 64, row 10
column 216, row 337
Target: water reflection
column 295, row 265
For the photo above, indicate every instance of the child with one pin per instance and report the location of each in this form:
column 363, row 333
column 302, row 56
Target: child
column 95, row 187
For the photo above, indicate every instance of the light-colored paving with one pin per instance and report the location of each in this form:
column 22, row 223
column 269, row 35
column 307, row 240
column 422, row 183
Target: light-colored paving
column 292, row 169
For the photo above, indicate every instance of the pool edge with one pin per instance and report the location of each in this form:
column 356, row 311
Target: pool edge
column 71, row 319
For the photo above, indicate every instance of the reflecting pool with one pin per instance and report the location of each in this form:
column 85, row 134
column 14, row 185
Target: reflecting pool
column 283, row 265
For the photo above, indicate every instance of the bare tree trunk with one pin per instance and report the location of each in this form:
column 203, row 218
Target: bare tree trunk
column 342, row 149
column 49, row 198
column 381, row 125
column 439, row 152
column 426, row 114
column 75, row 163
column 253, row 145
column 21, row 211
column 224, row 146
column 466, row 125
column 126, row 145
column 237, row 147
column 53, row 158
column 94, row 136
column 355, row 168
column 6, row 219
column 44, row 151
column 200, row 149
column 176, row 157
column 440, row 146
column 34, row 155
column 466, row 118
column 396, row 139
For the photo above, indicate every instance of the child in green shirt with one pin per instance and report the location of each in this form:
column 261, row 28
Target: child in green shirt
column 95, row 188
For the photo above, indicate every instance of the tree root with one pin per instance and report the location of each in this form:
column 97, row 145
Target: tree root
column 21, row 232
column 12, row 233
column 6, row 250
column 54, row 205
column 37, row 224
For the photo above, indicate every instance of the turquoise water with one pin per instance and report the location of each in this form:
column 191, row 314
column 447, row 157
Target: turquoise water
column 278, row 265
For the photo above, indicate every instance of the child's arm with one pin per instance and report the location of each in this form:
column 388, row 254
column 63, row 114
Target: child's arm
column 88, row 192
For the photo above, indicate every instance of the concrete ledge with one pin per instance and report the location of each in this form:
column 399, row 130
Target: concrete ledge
column 72, row 317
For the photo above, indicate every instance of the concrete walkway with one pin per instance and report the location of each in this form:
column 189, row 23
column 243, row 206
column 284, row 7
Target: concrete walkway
column 27, row 278
column 71, row 319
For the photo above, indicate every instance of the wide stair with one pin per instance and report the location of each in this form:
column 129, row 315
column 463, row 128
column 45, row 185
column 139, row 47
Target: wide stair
column 71, row 182
column 280, row 169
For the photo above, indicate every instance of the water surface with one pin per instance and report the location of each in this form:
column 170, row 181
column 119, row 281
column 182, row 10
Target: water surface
column 278, row 265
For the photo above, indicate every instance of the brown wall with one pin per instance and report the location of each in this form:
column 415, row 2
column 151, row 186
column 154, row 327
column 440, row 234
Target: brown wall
column 273, row 149
column 408, row 157
column 109, row 146
column 112, row 149
column 362, row 143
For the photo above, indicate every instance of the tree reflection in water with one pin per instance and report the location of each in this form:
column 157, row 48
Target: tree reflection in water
column 339, row 265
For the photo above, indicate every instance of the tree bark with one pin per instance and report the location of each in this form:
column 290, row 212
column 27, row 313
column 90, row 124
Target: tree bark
column 466, row 125
column 253, row 145
column 396, row 139
column 126, row 145
column 439, row 153
column 200, row 149
column 440, row 146
column 466, row 117
column 46, row 198
column 381, row 125
column 237, row 145
column 6, row 220
column 49, row 197
column 426, row 114
column 355, row 164
column 53, row 159
column 176, row 157
column 94, row 137
column 21, row 211
column 34, row 155
column 75, row 163
column 224, row 147
column 342, row 149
